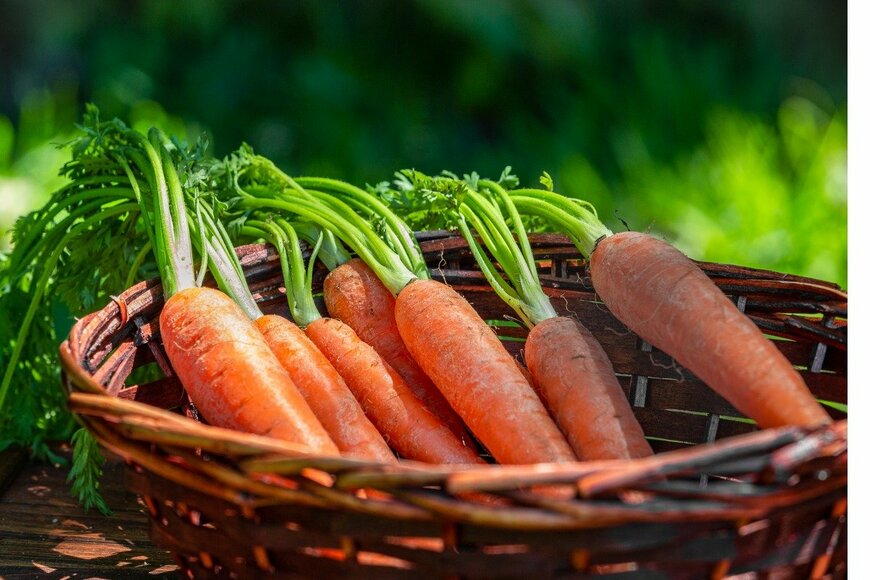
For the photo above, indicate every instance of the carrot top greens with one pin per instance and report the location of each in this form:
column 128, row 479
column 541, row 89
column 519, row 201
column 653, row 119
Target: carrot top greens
column 516, row 279
column 91, row 240
column 297, row 277
column 576, row 218
column 354, row 216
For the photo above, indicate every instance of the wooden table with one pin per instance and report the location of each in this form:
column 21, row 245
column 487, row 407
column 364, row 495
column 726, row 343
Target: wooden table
column 45, row 533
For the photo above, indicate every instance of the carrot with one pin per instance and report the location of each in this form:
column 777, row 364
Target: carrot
column 317, row 381
column 660, row 294
column 222, row 361
column 355, row 295
column 379, row 393
column 462, row 355
column 456, row 348
column 569, row 368
column 452, row 344
column 324, row 390
column 577, row 381
column 405, row 422
column 230, row 373
column 664, row 297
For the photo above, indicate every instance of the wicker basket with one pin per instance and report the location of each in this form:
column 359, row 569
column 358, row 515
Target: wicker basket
column 719, row 499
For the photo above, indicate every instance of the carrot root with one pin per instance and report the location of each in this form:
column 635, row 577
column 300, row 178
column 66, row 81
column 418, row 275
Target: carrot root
column 231, row 374
column 480, row 379
column 324, row 390
column 355, row 295
column 659, row 293
column 576, row 380
column 406, row 424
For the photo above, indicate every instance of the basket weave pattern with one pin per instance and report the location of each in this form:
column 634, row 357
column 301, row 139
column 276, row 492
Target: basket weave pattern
column 765, row 503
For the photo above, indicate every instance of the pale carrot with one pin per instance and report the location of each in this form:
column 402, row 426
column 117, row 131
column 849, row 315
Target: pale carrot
column 664, row 297
column 480, row 379
column 577, row 382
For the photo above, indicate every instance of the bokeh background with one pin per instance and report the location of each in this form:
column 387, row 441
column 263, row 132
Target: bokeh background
column 718, row 125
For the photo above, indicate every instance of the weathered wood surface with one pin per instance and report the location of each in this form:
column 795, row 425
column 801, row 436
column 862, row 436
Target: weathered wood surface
column 45, row 533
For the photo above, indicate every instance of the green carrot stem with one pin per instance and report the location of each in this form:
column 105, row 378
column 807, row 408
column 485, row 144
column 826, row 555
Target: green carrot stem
column 498, row 284
column 219, row 256
column 522, row 289
column 345, row 216
column 297, row 278
column 174, row 250
column 143, row 253
column 41, row 284
column 571, row 216
column 222, row 240
column 200, row 243
column 405, row 244
column 364, row 242
column 332, row 252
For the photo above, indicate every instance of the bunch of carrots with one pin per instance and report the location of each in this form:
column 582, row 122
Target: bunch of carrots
column 401, row 365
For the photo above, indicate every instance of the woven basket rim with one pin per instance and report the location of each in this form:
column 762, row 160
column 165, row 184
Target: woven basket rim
column 791, row 446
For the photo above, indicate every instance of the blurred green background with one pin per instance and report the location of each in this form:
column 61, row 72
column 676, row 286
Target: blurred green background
column 718, row 125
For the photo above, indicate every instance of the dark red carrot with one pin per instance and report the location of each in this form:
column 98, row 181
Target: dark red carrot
column 664, row 297
column 354, row 295
column 407, row 425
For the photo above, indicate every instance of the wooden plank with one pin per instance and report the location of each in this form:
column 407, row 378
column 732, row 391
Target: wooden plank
column 44, row 532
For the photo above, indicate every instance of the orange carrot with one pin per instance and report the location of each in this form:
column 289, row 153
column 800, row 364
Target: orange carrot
column 318, row 382
column 221, row 360
column 451, row 342
column 577, row 382
column 407, row 425
column 230, row 373
column 355, row 295
column 664, row 297
column 401, row 419
column 324, row 390
column 480, row 379
column 568, row 367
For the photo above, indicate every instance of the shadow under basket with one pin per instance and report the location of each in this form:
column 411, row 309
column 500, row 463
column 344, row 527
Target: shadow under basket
column 719, row 499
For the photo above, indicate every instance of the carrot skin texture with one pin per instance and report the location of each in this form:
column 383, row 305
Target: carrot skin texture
column 664, row 297
column 576, row 380
column 324, row 390
column 355, row 295
column 468, row 363
column 230, row 373
column 406, row 424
